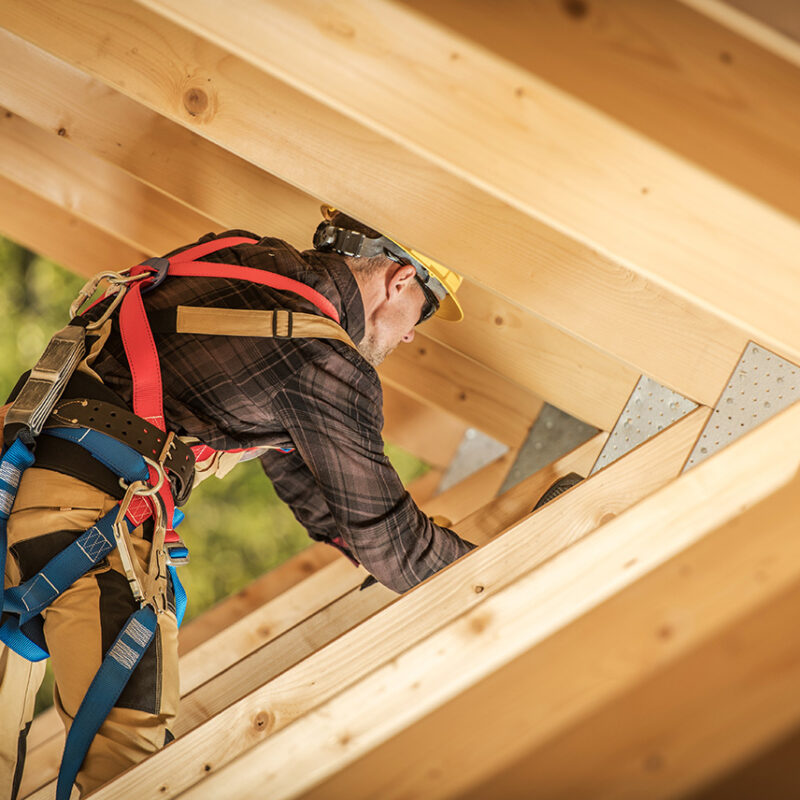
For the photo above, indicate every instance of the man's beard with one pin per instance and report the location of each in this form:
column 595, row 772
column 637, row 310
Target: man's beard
column 374, row 351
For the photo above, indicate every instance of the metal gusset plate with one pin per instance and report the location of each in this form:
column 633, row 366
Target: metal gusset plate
column 761, row 385
column 650, row 408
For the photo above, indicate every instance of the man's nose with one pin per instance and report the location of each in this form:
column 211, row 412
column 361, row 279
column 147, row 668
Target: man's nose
column 409, row 337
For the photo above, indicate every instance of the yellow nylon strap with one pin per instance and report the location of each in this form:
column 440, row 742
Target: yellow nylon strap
column 247, row 322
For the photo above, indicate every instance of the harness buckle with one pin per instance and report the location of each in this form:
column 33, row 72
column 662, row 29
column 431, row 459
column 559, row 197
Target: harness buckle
column 161, row 266
column 177, row 553
column 276, row 319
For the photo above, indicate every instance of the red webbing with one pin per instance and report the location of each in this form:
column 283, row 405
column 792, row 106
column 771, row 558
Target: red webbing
column 209, row 269
column 140, row 349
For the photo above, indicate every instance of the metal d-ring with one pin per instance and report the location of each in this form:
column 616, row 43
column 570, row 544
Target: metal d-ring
column 149, row 491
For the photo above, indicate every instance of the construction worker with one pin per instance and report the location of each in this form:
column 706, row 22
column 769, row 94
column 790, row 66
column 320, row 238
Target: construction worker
column 235, row 347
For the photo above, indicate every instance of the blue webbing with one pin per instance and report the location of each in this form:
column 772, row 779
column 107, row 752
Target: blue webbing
column 104, row 690
column 22, row 630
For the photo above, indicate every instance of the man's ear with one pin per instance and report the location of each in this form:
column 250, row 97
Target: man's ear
column 398, row 278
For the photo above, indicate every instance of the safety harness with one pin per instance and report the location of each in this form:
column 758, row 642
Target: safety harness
column 154, row 467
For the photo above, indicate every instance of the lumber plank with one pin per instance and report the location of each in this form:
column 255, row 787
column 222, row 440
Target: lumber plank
column 381, row 638
column 273, row 583
column 93, row 190
column 771, row 773
column 675, row 75
column 348, row 610
column 691, row 232
column 569, row 374
column 439, row 375
column 483, row 682
column 60, row 98
column 779, row 14
column 472, row 492
column 566, row 372
column 695, row 719
column 659, row 318
column 67, row 240
column 429, row 433
column 777, row 33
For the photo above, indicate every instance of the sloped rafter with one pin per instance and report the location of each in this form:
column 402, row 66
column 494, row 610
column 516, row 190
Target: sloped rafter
column 557, row 367
column 433, row 372
column 649, row 317
column 379, row 639
column 676, row 76
column 503, row 662
column 754, row 21
column 69, row 241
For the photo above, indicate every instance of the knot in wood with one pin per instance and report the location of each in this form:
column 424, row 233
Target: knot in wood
column 577, row 9
column 262, row 721
column 195, row 101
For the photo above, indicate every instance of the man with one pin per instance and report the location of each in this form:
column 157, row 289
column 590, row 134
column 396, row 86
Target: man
column 308, row 406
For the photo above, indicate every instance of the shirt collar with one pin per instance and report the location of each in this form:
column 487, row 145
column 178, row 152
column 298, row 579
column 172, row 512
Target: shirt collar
column 349, row 302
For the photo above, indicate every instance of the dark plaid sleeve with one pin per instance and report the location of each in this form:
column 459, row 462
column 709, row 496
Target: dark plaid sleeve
column 332, row 412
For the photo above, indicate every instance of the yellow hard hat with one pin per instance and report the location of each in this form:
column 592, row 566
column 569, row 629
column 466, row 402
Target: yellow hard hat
column 347, row 236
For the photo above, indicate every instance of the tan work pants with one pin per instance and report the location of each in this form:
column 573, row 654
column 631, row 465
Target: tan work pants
column 50, row 511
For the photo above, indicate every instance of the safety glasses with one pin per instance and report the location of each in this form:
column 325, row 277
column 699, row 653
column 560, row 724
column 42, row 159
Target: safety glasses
column 431, row 302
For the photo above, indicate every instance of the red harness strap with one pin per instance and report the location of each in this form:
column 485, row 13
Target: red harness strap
column 140, row 348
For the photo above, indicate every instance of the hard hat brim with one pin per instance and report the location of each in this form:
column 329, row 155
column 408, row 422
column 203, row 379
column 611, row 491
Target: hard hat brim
column 450, row 309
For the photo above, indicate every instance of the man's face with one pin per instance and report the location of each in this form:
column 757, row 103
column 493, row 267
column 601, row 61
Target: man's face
column 395, row 320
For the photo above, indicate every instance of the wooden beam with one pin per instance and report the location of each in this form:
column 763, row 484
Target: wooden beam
column 778, row 14
column 93, row 190
column 488, row 687
column 678, row 77
column 385, row 635
column 695, row 718
column 231, row 610
column 750, row 22
column 438, row 375
column 565, row 372
column 343, row 613
column 683, row 319
column 214, row 182
column 65, row 239
column 473, row 492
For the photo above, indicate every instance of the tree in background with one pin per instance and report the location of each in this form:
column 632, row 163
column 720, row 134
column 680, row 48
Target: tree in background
column 236, row 529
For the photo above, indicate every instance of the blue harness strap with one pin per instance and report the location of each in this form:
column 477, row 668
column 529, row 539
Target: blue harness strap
column 22, row 605
column 26, row 601
column 104, row 690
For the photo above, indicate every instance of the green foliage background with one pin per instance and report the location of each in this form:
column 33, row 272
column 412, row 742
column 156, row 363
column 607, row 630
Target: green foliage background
column 236, row 529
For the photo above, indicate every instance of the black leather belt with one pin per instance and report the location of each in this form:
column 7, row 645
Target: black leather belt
column 139, row 434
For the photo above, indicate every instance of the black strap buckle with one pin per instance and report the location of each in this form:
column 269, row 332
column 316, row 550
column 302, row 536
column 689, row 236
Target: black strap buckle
column 161, row 266
column 289, row 323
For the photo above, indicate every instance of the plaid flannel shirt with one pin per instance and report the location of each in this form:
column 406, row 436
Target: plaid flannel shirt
column 318, row 396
